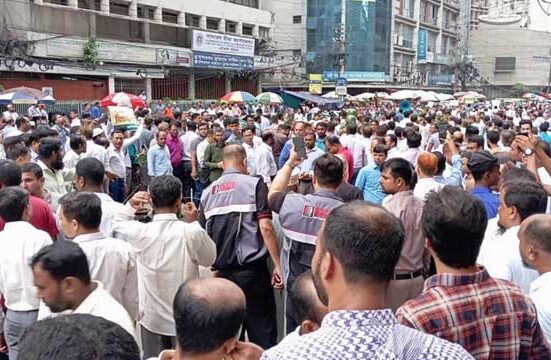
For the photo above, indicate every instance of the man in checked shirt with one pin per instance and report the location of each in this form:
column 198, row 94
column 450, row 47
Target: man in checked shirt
column 490, row 318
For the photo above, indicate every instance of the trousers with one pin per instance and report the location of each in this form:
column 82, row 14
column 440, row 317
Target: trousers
column 15, row 323
column 116, row 190
column 260, row 317
column 153, row 344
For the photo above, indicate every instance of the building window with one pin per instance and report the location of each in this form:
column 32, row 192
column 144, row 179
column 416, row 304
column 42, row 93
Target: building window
column 213, row 24
column 263, row 32
column 193, row 20
column 248, row 29
column 504, row 64
column 146, row 12
column 297, row 19
column 57, row 2
column 170, row 17
column 297, row 52
column 249, row 3
column 89, row 4
column 231, row 27
column 119, row 8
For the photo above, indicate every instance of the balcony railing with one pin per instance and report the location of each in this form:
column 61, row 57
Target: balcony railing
column 429, row 20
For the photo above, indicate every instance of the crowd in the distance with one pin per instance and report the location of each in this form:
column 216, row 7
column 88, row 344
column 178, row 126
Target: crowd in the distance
column 397, row 231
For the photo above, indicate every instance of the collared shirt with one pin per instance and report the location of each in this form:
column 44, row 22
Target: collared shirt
column 57, row 181
column 200, row 152
column 52, row 199
column 265, row 163
column 368, row 181
column 41, row 217
column 187, row 140
column 70, row 159
column 489, row 199
column 504, row 260
column 117, row 162
column 158, row 161
column 490, row 318
column 176, row 150
column 19, row 242
column 214, row 154
column 96, row 151
column 356, row 144
column 424, row 186
column 411, row 155
column 113, row 262
column 251, row 158
column 373, row 334
column 307, row 165
column 100, row 303
column 453, row 178
column 540, row 293
column 169, row 252
column 409, row 209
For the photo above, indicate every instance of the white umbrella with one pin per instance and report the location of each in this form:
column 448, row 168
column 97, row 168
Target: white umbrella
column 382, row 95
column 333, row 95
column 365, row 96
column 404, row 95
column 444, row 97
column 427, row 96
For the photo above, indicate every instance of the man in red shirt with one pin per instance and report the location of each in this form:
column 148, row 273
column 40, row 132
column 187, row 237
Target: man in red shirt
column 41, row 215
column 334, row 146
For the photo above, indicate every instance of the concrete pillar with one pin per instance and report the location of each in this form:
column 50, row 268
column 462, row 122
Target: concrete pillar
column 239, row 28
column 203, row 22
column 133, row 9
column 111, row 84
column 182, row 18
column 73, row 4
column 222, row 25
column 258, row 85
column 256, row 31
column 146, row 33
column 92, row 27
column 148, row 88
column 158, row 14
column 191, row 84
column 38, row 2
column 104, row 7
column 227, row 78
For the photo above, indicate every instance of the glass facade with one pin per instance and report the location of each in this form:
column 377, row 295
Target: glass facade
column 367, row 35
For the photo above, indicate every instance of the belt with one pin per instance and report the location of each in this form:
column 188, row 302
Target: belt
column 407, row 276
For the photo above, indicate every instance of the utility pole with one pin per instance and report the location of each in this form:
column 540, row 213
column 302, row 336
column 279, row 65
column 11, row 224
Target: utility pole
column 342, row 43
column 549, row 78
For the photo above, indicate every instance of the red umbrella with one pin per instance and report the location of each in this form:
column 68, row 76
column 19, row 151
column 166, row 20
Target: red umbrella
column 122, row 99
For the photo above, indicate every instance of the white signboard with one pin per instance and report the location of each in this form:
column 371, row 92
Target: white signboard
column 222, row 44
column 340, row 90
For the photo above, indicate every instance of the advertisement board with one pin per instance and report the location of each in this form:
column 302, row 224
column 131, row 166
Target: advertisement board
column 332, row 76
column 218, row 43
column 315, row 86
column 422, row 46
column 222, row 61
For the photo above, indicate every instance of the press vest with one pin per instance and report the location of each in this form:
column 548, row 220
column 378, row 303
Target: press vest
column 234, row 193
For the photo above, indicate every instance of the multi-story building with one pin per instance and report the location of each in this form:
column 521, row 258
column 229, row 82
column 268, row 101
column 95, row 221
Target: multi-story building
column 425, row 38
column 133, row 45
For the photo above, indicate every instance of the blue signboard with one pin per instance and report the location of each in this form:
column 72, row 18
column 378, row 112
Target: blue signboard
column 332, row 76
column 440, row 79
column 422, row 45
column 341, row 82
column 208, row 60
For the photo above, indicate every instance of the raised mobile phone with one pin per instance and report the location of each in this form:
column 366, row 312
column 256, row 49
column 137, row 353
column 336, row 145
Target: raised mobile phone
column 300, row 147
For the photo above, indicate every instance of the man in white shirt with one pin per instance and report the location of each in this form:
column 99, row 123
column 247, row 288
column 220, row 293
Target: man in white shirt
column 518, row 199
column 427, row 165
column 187, row 140
column 78, row 148
column 63, row 283
column 23, row 126
column 19, row 242
column 265, row 162
column 535, row 250
column 73, row 118
column 112, row 261
column 94, row 150
column 356, row 144
column 169, row 252
column 248, row 144
column 119, row 161
column 90, row 174
column 413, row 142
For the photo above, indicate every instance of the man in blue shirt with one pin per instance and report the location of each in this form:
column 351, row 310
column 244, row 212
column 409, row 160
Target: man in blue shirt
column 485, row 170
column 544, row 135
column 369, row 177
column 158, row 157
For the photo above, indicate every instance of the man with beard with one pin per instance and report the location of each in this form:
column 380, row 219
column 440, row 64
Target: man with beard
column 354, row 260
column 50, row 159
column 369, row 177
column 535, row 250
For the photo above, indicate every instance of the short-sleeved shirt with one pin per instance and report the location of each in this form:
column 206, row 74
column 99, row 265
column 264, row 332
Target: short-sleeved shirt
column 42, row 217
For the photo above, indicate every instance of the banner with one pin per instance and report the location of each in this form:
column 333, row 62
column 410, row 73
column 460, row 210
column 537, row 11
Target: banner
column 332, row 76
column 218, row 43
column 221, row 61
column 422, row 46
column 121, row 115
column 315, row 86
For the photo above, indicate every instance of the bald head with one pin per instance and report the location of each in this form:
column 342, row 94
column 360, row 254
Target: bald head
column 235, row 157
column 208, row 314
column 537, row 231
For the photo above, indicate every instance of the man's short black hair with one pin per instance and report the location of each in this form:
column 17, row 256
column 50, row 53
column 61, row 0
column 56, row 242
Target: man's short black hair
column 48, row 146
column 165, row 190
column 77, row 336
column 441, row 162
column 267, row 135
column 478, row 139
column 63, row 259
column 528, row 197
column 303, row 299
column 202, row 327
column 82, row 206
column 15, row 151
column 454, row 221
column 516, row 174
column 413, row 139
column 332, row 140
column 20, row 120
column 471, row 130
column 191, row 126
column 366, row 239
column 13, row 201
column 493, row 136
column 76, row 141
column 401, row 168
column 91, row 169
column 10, row 173
column 33, row 168
column 328, row 170
column 525, row 122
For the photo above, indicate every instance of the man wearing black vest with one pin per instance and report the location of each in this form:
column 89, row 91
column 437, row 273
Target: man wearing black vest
column 235, row 213
column 302, row 216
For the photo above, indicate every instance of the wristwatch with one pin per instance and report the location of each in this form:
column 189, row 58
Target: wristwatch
column 528, row 152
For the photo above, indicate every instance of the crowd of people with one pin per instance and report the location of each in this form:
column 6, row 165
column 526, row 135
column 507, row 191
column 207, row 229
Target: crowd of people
column 396, row 230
